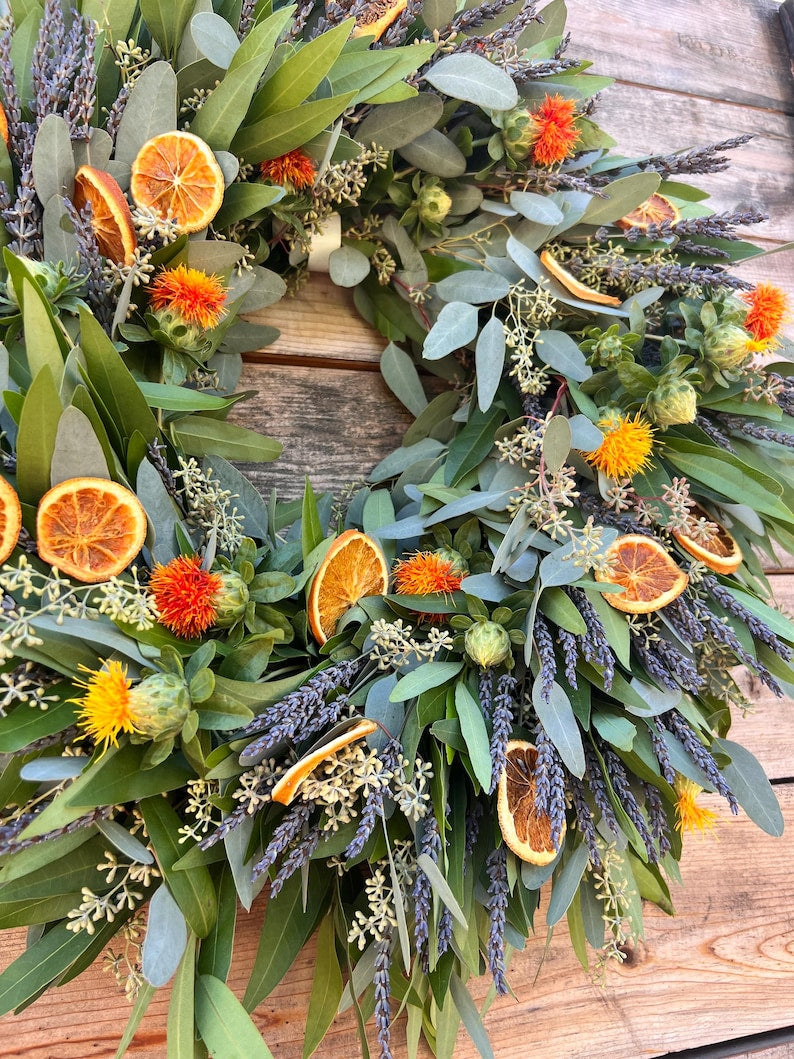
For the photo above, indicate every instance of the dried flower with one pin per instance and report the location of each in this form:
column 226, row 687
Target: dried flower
column 426, row 572
column 185, row 595
column 106, row 708
column 190, row 293
column 768, row 309
column 556, row 130
column 691, row 816
column 294, row 170
column 626, row 448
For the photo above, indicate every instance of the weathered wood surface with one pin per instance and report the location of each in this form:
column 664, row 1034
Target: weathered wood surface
column 690, row 73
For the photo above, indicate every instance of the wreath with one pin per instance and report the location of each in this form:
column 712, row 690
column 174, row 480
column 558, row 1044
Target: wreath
column 498, row 674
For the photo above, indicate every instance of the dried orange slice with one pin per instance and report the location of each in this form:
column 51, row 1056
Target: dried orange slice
column 649, row 575
column 572, row 284
column 720, row 552
column 176, row 175
column 377, row 16
column 287, row 787
column 10, row 519
column 526, row 831
column 110, row 215
column 653, row 211
column 3, row 125
column 90, row 528
column 354, row 567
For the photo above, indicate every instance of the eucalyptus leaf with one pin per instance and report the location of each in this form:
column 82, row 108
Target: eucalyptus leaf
column 566, row 884
column 472, row 725
column 749, row 783
column 426, row 676
column 150, row 110
column 165, row 938
column 347, row 266
column 77, row 452
column 474, row 79
column 435, row 153
column 455, row 326
column 489, row 355
column 556, row 443
column 539, row 208
column 621, row 197
column 560, row 724
column 124, row 841
column 53, row 159
column 214, row 38
column 473, row 285
column 395, row 124
column 560, row 352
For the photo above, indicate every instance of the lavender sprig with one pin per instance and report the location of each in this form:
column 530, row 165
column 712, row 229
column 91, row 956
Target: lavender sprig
column 708, row 159
column 423, row 894
column 498, row 894
column 657, row 818
column 758, row 628
column 594, row 645
column 284, row 835
column 723, row 634
column 570, row 653
column 503, row 703
column 373, row 805
column 548, row 660
column 701, row 756
column 486, row 691
column 382, row 985
column 660, row 750
column 622, row 788
column 299, row 855
column 549, row 785
column 598, row 787
column 584, row 819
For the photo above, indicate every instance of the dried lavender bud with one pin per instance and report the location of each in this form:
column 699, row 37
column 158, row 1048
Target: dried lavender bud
column 678, row 665
column 660, row 750
column 474, row 17
column 570, row 651
column 298, row 856
column 723, row 634
column 473, row 817
column 584, row 819
column 498, row 894
column 708, row 426
column 82, row 100
column 444, row 931
column 657, row 818
column 99, row 294
column 699, row 160
column 549, row 785
column 284, row 835
column 548, row 660
column 398, row 30
column 622, row 788
column 594, row 645
column 652, row 664
column 757, row 430
column 423, row 894
column 701, row 756
column 486, row 691
column 247, row 14
column 759, row 629
column 503, row 703
column 598, row 787
column 383, row 995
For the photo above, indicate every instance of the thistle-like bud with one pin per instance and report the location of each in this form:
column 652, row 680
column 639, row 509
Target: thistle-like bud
column 174, row 332
column 159, row 705
column 230, row 600
column 518, row 133
column 725, row 346
column 487, row 643
column 459, row 564
column 433, row 204
column 672, row 402
column 607, row 351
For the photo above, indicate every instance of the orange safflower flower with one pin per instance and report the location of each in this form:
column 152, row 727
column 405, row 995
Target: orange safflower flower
column 185, row 595
column 426, row 572
column 768, row 309
column 626, row 447
column 107, row 704
column 191, row 294
column 691, row 816
column 556, row 130
column 294, row 170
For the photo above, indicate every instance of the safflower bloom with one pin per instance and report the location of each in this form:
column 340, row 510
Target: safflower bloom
column 691, row 816
column 426, row 572
column 107, row 704
column 768, row 307
column 556, row 130
column 626, row 447
column 185, row 595
column 294, row 170
column 193, row 295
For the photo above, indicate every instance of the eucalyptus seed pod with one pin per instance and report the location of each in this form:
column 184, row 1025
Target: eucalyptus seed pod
column 672, row 402
column 230, row 600
column 160, row 705
column 487, row 643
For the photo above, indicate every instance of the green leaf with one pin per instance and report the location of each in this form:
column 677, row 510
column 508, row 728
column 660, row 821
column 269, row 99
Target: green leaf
column 180, row 1026
column 67, row 875
column 622, row 196
column 473, row 79
column 560, row 352
column 77, row 452
column 301, row 73
column 225, row 1026
column 749, row 783
column 327, row 988
column 489, row 357
column 347, row 266
column 221, row 116
column 400, row 375
column 181, row 399
column 559, row 721
column 472, row 724
column 283, row 132
column 435, row 153
column 472, row 444
column 396, row 124
column 38, row 429
column 311, row 527
column 538, row 208
column 441, row 887
column 53, row 160
column 561, row 609
column 150, row 110
column 166, row 20
column 214, row 39
column 24, row 726
column 40, row 964
column 566, row 884
column 192, row 890
column 426, row 676
column 165, row 938
column 287, row 927
column 216, row 950
column 473, row 285
column 455, row 326
column 242, row 201
column 470, row 1016
column 202, row 436
column 619, row 731
column 556, row 443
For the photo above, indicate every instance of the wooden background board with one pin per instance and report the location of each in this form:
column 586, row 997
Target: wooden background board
column 688, row 73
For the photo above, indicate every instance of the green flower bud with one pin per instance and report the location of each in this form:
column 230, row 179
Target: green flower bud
column 518, row 133
column 672, row 402
column 487, row 644
column 459, row 564
column 433, row 204
column 230, row 600
column 725, row 346
column 174, row 332
column 49, row 278
column 607, row 351
column 159, row 705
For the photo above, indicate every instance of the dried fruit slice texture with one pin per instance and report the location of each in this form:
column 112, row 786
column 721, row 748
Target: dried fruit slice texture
column 721, row 552
column 654, row 210
column 525, row 830
column 572, row 284
column 287, row 787
column 110, row 215
column 10, row 519
column 354, row 567
column 90, row 528
column 648, row 573
column 176, row 175
column 377, row 16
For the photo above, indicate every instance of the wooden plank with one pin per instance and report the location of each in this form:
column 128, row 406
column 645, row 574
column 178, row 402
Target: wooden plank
column 723, row 967
column 731, row 51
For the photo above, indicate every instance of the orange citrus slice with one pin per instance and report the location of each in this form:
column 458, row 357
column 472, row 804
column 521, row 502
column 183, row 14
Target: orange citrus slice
column 287, row 787
column 90, row 528
column 354, row 567
column 110, row 215
column 572, row 284
column 650, row 577
column 377, row 16
column 3, row 125
column 720, row 552
column 176, row 175
column 653, row 211
column 10, row 519
column 526, row 831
